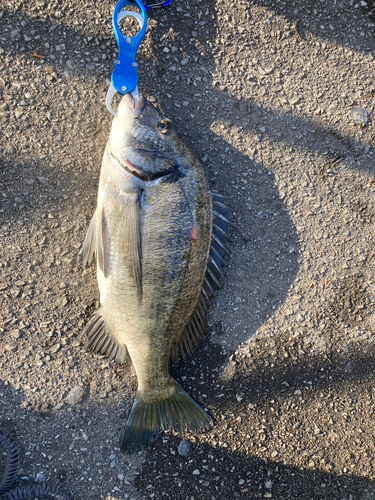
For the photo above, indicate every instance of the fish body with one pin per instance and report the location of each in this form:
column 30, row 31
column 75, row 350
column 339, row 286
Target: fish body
column 152, row 234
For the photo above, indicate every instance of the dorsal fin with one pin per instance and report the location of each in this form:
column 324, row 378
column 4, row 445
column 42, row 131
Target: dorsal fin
column 197, row 323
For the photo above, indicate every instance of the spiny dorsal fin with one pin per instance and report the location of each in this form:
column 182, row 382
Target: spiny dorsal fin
column 100, row 341
column 197, row 323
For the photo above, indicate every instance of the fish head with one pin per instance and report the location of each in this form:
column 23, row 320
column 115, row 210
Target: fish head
column 140, row 126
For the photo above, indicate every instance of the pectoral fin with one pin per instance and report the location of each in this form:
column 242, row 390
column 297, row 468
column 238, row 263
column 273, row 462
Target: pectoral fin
column 96, row 241
column 127, row 216
column 102, row 242
column 89, row 245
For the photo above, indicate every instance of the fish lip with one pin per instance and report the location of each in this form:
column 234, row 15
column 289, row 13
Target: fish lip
column 136, row 107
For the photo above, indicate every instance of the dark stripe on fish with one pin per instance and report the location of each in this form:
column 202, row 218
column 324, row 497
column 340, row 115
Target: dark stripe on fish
column 148, row 176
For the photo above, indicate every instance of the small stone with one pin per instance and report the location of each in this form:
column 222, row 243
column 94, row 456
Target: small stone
column 39, row 477
column 49, row 69
column 185, row 61
column 15, row 334
column 359, row 115
column 18, row 113
column 70, row 64
column 268, row 485
column 183, row 448
column 55, row 348
column 15, row 34
column 196, row 472
column 298, row 392
column 75, row 395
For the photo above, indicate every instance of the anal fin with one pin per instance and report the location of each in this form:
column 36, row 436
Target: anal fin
column 100, row 341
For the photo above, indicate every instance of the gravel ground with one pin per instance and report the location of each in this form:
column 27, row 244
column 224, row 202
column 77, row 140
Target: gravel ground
column 267, row 93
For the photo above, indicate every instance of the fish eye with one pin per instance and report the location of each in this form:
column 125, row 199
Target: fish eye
column 165, row 126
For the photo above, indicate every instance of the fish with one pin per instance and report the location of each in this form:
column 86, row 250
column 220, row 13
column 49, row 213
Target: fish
column 159, row 238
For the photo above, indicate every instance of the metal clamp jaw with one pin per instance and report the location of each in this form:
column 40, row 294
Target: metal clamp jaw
column 124, row 77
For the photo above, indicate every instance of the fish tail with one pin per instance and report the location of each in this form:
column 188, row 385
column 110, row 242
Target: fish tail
column 148, row 419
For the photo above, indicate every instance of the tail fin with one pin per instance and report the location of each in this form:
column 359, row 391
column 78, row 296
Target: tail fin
column 147, row 420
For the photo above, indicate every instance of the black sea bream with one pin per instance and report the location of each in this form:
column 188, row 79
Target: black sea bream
column 159, row 236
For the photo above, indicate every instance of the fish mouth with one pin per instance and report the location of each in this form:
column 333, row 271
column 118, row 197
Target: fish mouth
column 142, row 175
column 136, row 107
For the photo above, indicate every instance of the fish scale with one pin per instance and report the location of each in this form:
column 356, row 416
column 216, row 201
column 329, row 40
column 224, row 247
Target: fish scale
column 159, row 248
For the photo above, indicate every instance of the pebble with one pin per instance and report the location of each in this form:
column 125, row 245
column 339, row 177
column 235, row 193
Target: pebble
column 15, row 34
column 183, row 448
column 75, row 395
column 15, row 334
column 196, row 472
column 49, row 69
column 55, row 348
column 359, row 115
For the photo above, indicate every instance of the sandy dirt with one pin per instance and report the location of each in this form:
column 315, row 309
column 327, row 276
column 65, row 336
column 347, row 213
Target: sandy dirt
column 270, row 94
